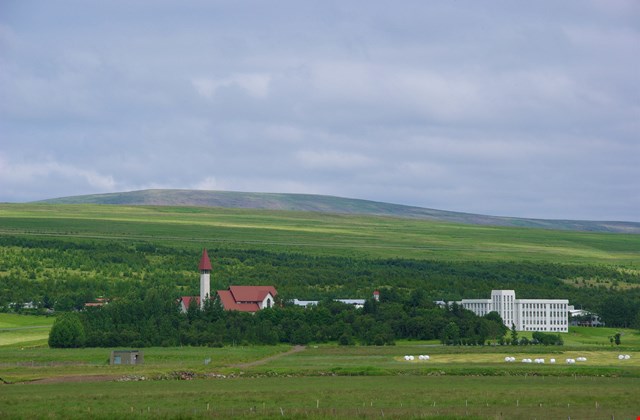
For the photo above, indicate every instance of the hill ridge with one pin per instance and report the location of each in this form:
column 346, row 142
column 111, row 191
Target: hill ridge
column 330, row 204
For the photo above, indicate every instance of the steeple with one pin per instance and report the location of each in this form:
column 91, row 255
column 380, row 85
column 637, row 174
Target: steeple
column 205, row 264
column 205, row 269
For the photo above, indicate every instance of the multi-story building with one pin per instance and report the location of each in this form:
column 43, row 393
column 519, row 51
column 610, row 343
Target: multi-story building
column 526, row 314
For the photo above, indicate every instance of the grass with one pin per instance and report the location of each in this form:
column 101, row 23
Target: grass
column 22, row 330
column 319, row 234
column 321, row 397
column 327, row 381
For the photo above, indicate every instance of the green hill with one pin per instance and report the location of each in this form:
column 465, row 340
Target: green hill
column 330, row 204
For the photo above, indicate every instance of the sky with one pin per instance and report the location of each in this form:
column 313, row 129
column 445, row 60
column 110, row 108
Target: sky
column 509, row 108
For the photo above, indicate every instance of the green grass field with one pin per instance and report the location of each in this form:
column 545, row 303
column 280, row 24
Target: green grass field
column 322, row 381
column 318, row 234
column 331, row 397
column 20, row 330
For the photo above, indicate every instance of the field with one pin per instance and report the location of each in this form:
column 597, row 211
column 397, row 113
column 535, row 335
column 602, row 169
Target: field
column 323, row 381
column 24, row 330
column 320, row 381
column 318, row 234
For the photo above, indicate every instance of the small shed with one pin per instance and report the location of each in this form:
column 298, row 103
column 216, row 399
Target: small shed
column 126, row 357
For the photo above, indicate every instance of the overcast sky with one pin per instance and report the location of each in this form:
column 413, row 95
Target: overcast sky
column 515, row 108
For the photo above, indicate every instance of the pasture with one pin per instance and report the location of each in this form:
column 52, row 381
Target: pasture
column 323, row 381
column 24, row 330
column 318, row 234
column 331, row 397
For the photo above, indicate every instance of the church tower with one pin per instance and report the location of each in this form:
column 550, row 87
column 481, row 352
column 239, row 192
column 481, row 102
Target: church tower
column 205, row 278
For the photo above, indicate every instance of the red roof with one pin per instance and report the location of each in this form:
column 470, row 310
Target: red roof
column 186, row 300
column 251, row 293
column 205, row 264
column 230, row 304
column 238, row 298
column 245, row 298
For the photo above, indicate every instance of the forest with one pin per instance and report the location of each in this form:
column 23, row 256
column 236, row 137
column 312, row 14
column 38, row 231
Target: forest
column 62, row 275
column 151, row 318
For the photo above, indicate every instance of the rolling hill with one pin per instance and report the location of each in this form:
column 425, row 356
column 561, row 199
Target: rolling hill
column 330, row 204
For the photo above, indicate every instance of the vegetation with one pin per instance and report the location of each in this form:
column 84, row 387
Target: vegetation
column 152, row 319
column 330, row 397
column 60, row 257
column 329, row 204
column 143, row 258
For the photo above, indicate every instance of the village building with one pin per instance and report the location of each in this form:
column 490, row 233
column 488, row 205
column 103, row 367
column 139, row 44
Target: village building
column 235, row 298
column 357, row 303
column 584, row 318
column 549, row 315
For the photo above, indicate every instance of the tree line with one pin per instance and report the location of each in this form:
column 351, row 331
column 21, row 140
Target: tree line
column 153, row 318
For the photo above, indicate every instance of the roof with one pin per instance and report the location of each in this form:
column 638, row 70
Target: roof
column 245, row 298
column 251, row 293
column 186, row 300
column 230, row 304
column 205, row 263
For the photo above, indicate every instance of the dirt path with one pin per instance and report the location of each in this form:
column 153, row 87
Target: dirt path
column 296, row 349
column 74, row 378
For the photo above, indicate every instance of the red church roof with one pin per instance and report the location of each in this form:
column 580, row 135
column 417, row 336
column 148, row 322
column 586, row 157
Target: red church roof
column 230, row 304
column 186, row 300
column 251, row 293
column 245, row 298
column 205, row 264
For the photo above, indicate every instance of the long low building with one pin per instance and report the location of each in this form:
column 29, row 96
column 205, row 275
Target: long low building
column 549, row 315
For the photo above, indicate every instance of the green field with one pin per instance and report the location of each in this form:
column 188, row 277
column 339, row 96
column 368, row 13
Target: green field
column 322, row 381
column 20, row 330
column 331, row 397
column 318, row 234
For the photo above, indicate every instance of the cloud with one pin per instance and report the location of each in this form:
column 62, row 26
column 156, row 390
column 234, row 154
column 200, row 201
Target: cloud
column 255, row 85
column 520, row 110
column 20, row 178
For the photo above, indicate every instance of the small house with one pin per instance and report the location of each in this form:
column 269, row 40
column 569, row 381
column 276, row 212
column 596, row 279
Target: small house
column 126, row 357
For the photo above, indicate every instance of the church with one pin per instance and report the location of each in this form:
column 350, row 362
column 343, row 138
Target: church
column 235, row 298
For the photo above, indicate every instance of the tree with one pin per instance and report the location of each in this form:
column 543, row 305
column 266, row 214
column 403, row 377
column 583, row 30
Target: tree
column 67, row 331
column 616, row 338
column 514, row 335
column 451, row 334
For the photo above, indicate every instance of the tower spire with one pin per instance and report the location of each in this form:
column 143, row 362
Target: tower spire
column 205, row 270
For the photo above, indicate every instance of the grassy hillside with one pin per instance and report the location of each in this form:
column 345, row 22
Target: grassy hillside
column 330, row 204
column 318, row 234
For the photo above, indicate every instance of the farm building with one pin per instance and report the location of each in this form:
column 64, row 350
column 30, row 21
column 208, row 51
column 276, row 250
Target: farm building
column 526, row 314
column 126, row 357
column 235, row 298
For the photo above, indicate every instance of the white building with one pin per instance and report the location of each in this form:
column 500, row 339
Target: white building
column 548, row 315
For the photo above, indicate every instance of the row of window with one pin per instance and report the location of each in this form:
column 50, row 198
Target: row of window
column 555, row 329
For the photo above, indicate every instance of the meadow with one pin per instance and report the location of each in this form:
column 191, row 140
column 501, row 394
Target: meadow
column 324, row 381
column 318, row 234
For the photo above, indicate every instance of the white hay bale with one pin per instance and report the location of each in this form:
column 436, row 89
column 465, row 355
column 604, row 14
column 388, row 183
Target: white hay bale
column 552, row 360
column 426, row 357
column 411, row 357
column 406, row 357
column 627, row 357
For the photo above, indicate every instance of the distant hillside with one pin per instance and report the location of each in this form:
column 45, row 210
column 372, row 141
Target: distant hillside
column 329, row 204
